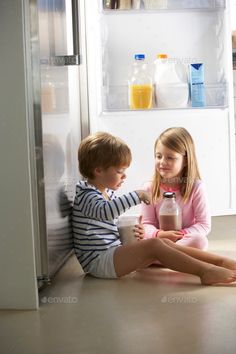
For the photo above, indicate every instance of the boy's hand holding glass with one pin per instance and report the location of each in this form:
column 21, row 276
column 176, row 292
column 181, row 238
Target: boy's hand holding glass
column 139, row 229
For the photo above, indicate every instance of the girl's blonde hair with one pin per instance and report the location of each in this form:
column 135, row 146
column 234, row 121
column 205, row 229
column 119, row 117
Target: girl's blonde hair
column 102, row 150
column 179, row 140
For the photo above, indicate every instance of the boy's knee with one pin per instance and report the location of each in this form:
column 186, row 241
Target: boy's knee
column 154, row 242
column 167, row 241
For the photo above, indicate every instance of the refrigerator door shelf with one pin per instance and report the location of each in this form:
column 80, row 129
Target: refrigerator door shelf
column 115, row 98
column 160, row 5
column 201, row 40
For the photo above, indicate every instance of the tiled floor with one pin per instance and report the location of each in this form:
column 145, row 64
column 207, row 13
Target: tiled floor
column 151, row 311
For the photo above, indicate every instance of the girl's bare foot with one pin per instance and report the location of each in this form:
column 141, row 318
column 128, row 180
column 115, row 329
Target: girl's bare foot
column 215, row 274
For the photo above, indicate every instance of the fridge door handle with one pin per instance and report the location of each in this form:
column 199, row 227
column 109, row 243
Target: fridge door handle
column 75, row 27
column 75, row 58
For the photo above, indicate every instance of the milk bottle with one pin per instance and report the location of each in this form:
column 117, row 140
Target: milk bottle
column 171, row 82
column 140, row 85
column 170, row 215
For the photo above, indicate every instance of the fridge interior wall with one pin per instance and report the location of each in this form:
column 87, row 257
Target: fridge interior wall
column 112, row 39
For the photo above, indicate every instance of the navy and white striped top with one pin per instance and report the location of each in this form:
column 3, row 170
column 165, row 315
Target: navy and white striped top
column 94, row 221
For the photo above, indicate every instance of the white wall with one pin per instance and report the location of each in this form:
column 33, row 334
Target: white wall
column 17, row 268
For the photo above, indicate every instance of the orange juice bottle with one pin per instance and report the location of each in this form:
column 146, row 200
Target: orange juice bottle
column 140, row 85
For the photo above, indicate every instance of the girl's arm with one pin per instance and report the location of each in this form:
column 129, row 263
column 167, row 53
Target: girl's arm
column 201, row 211
column 149, row 219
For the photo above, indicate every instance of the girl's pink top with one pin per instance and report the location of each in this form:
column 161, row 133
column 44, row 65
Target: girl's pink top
column 196, row 216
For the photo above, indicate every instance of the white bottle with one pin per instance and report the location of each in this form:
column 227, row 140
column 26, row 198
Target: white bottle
column 171, row 83
column 170, row 215
column 140, row 85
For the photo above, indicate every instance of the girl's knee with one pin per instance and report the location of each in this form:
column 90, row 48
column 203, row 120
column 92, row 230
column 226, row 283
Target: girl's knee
column 195, row 241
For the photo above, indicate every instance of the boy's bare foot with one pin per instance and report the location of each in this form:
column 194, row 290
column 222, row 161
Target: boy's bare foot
column 216, row 274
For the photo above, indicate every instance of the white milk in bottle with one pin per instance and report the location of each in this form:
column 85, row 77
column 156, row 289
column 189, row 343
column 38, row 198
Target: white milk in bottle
column 171, row 83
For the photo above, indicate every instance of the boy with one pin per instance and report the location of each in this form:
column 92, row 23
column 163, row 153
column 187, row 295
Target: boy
column 103, row 160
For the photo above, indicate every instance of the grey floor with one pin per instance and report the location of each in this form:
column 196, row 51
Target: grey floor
column 151, row 311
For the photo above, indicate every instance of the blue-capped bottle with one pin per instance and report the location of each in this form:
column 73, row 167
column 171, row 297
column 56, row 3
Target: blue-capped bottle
column 140, row 85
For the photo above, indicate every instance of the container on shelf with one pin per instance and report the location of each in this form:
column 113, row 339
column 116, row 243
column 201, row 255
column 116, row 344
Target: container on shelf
column 197, row 85
column 171, row 83
column 140, row 85
column 125, row 5
column 136, row 4
column 155, row 4
column 111, row 4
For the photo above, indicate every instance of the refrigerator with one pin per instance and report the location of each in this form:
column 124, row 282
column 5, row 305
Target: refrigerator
column 59, row 123
column 193, row 31
column 81, row 57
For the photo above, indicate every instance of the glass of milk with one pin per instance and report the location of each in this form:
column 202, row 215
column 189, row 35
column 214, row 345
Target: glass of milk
column 125, row 226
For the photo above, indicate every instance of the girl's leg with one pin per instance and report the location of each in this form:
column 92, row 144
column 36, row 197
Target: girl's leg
column 204, row 256
column 134, row 256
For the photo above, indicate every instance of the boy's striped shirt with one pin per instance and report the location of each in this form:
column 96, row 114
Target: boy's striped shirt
column 94, row 221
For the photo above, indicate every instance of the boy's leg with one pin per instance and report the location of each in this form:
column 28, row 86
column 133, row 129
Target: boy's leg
column 134, row 256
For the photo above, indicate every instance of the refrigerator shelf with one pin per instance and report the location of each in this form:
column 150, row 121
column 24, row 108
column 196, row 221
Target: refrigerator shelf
column 115, row 98
column 170, row 5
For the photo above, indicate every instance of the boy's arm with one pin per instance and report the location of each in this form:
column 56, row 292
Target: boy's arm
column 93, row 205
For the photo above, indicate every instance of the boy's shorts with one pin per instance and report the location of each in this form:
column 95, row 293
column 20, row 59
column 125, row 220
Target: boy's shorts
column 103, row 265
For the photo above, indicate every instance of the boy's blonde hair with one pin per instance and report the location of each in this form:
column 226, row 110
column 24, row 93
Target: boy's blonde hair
column 102, row 150
column 179, row 140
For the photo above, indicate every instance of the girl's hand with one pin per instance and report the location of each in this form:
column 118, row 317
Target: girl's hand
column 171, row 235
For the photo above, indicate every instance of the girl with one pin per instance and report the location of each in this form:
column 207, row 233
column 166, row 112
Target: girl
column 176, row 170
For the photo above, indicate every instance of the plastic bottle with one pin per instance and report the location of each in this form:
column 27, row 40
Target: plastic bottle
column 140, row 85
column 171, row 83
column 170, row 215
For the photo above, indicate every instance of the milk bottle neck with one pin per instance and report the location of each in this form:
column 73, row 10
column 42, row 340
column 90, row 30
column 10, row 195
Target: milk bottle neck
column 169, row 206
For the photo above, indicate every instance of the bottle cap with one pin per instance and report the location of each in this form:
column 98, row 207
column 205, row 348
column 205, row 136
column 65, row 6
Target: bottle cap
column 139, row 56
column 162, row 56
column 169, row 194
